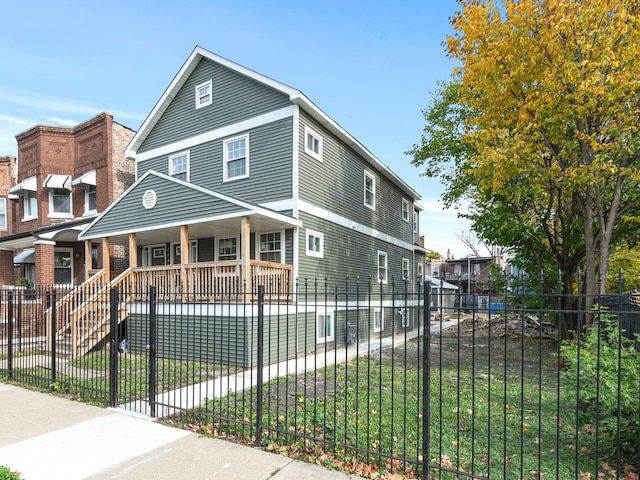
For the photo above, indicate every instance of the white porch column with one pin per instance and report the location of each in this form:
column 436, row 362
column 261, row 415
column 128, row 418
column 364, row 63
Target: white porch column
column 245, row 256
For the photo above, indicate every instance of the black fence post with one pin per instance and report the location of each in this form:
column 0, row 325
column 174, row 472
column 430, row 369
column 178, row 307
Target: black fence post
column 259, row 380
column 53, row 337
column 426, row 379
column 10, row 335
column 152, row 351
column 113, row 350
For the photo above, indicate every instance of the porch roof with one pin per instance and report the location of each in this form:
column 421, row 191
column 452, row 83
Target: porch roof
column 60, row 232
column 156, row 205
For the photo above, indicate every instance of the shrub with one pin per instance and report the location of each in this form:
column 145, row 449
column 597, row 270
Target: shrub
column 7, row 474
column 607, row 365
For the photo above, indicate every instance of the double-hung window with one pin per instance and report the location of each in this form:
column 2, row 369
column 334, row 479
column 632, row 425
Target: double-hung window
column 179, row 166
column 228, row 248
column 59, row 187
column 382, row 267
column 204, row 94
column 315, row 244
column 236, row 158
column 87, row 182
column 420, row 272
column 29, row 205
column 312, row 143
column 405, row 269
column 405, row 210
column 3, row 213
column 324, row 327
column 270, row 247
column 90, row 203
column 369, row 190
column 60, row 202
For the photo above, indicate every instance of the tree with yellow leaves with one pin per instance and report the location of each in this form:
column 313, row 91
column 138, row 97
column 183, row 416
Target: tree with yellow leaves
column 540, row 127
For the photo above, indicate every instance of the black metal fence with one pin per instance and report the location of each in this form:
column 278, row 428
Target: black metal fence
column 371, row 378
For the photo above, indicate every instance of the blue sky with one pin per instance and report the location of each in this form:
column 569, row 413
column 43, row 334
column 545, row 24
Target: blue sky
column 370, row 65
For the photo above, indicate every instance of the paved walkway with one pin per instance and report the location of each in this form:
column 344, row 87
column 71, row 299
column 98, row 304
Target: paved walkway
column 49, row 438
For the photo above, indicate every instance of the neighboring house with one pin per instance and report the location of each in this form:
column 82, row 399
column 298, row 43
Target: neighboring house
column 65, row 177
column 242, row 180
column 471, row 275
column 8, row 176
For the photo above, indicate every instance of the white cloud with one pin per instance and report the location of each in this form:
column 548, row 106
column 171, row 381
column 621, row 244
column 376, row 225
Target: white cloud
column 41, row 102
column 23, row 122
column 60, row 121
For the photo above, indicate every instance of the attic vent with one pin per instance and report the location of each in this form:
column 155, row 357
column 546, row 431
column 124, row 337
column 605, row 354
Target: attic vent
column 149, row 199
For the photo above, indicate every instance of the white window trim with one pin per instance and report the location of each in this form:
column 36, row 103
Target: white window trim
column 313, row 253
column 420, row 272
column 147, row 257
column 193, row 252
column 187, row 154
column 405, row 210
column 54, row 214
column 320, row 335
column 225, row 178
column 309, row 131
column 380, row 328
column 67, row 250
column 386, row 266
column 32, row 215
column 415, row 222
column 373, row 192
column 217, row 247
column 258, row 253
column 3, row 201
column 88, row 211
column 208, row 83
column 405, row 271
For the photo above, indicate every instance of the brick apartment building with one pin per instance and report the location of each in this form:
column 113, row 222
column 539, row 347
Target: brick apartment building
column 65, row 177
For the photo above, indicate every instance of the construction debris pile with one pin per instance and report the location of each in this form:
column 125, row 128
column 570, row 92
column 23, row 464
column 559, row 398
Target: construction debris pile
column 516, row 326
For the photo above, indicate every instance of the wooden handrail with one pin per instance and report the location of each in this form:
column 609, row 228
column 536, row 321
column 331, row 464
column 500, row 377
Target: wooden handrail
column 86, row 310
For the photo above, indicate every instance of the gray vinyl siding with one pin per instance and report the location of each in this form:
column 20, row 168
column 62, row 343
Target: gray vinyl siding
column 219, row 339
column 270, row 164
column 172, row 197
column 337, row 184
column 352, row 325
column 235, row 98
column 347, row 253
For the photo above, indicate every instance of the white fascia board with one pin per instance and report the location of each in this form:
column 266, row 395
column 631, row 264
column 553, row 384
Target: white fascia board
column 326, row 121
column 180, row 78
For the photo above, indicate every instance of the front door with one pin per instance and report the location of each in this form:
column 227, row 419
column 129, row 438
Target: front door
column 154, row 255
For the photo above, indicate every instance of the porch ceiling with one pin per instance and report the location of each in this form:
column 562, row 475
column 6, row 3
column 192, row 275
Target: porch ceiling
column 227, row 227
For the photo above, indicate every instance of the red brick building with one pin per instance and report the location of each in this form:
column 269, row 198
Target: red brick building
column 65, row 177
column 8, row 178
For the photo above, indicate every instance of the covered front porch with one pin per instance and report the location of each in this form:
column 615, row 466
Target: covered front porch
column 195, row 242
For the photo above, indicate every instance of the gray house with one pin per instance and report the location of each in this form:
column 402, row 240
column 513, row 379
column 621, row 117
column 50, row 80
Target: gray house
column 241, row 181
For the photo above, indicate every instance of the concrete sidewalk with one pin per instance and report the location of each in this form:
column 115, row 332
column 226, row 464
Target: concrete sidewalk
column 48, row 438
